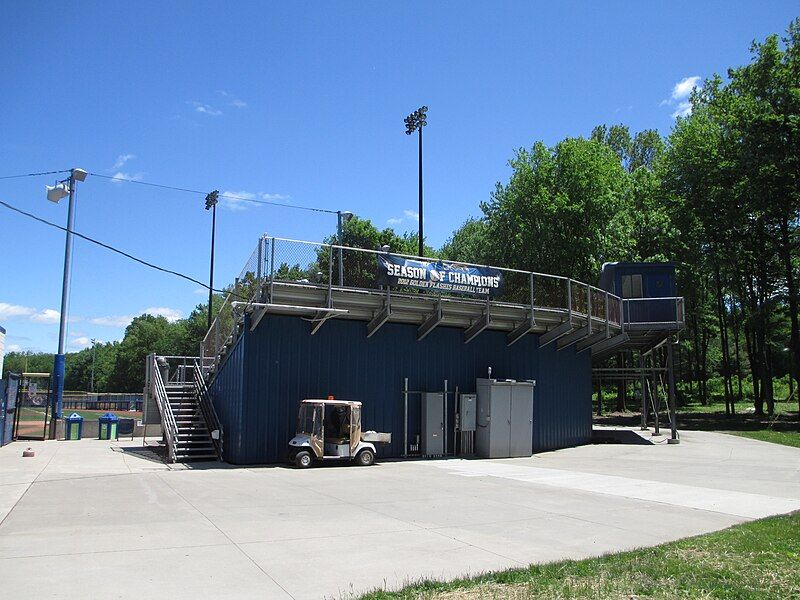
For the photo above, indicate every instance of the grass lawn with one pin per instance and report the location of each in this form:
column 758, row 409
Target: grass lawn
column 760, row 559
column 787, row 438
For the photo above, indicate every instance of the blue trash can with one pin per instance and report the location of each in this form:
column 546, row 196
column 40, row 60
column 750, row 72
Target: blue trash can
column 107, row 426
column 73, row 427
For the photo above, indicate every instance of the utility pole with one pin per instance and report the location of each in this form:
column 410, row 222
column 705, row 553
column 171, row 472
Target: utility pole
column 91, row 380
column 211, row 204
column 54, row 194
column 415, row 122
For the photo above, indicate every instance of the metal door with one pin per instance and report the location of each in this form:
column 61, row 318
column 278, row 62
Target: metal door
column 433, row 424
column 500, row 421
column 521, row 438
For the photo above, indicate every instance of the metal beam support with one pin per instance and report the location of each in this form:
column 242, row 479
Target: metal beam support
column 477, row 327
column 673, row 417
column 431, row 322
column 587, row 342
column 609, row 343
column 574, row 337
column 382, row 316
column 555, row 333
column 521, row 331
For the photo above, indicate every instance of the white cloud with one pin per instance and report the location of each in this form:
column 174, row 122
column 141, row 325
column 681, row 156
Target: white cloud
column 201, row 291
column 170, row 314
column 243, row 199
column 81, row 342
column 121, row 160
column 679, row 99
column 684, row 87
column 112, row 321
column 13, row 348
column 684, row 110
column 48, row 315
column 119, row 176
column 408, row 215
column 206, row 109
column 234, row 101
column 9, row 311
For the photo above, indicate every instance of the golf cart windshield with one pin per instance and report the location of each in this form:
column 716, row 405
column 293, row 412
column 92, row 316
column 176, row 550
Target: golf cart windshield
column 305, row 419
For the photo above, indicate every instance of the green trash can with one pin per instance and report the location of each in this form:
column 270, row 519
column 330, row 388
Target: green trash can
column 107, row 426
column 73, row 427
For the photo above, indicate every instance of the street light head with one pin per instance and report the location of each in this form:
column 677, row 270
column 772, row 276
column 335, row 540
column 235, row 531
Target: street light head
column 347, row 215
column 385, row 248
column 212, row 199
column 57, row 192
column 79, row 174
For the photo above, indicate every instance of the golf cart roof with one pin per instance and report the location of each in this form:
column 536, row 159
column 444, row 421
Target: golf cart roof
column 332, row 402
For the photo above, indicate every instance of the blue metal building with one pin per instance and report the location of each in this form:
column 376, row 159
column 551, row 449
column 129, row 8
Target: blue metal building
column 308, row 320
column 277, row 364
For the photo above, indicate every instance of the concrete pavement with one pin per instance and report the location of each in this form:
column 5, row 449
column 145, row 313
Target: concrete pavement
column 100, row 509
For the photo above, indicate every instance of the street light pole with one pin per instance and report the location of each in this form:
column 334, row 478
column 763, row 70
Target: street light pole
column 415, row 122
column 211, row 203
column 59, row 360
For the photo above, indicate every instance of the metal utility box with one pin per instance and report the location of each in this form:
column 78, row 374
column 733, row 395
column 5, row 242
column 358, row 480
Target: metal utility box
column 432, row 424
column 467, row 412
column 505, row 418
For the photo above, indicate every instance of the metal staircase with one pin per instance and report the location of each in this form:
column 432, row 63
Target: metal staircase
column 191, row 428
column 193, row 439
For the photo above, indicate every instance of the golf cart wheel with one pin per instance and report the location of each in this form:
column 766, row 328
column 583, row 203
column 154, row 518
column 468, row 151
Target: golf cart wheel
column 303, row 459
column 365, row 458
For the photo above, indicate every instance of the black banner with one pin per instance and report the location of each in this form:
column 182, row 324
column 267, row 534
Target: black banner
column 437, row 275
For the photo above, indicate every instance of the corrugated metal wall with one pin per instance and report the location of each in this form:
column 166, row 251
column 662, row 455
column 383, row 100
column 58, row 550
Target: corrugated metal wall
column 271, row 369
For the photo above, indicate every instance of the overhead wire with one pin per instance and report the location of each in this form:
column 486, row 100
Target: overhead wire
column 200, row 192
column 113, row 249
column 35, row 174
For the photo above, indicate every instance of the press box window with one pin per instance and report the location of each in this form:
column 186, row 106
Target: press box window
column 631, row 286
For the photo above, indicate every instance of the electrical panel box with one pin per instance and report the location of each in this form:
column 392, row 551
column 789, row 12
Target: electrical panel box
column 432, row 424
column 504, row 418
column 467, row 411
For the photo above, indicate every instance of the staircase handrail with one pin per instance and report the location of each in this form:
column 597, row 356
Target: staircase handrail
column 168, row 423
column 207, row 408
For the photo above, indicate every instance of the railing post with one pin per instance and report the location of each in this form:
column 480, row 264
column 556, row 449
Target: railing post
column 569, row 299
column 608, row 327
column 589, row 308
column 330, row 275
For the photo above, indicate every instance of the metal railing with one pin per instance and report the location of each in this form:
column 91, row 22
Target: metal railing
column 159, row 393
column 654, row 311
column 207, row 408
column 316, row 264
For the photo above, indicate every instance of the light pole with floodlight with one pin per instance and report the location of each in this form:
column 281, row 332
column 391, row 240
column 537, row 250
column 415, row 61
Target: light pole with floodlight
column 54, row 194
column 211, row 204
column 415, row 122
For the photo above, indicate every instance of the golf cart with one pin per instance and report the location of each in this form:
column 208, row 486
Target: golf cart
column 331, row 430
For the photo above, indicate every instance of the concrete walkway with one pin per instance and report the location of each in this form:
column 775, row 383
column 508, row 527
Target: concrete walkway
column 89, row 513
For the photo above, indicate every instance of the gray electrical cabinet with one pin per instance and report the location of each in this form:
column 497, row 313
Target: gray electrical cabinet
column 467, row 412
column 432, row 437
column 505, row 418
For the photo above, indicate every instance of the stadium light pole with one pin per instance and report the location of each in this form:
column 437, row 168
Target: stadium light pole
column 341, row 218
column 415, row 122
column 54, row 194
column 211, row 204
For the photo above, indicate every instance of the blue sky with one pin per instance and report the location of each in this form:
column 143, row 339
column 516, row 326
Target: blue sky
column 302, row 103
